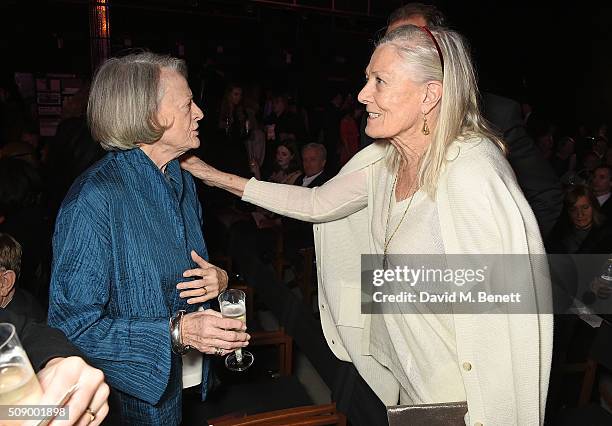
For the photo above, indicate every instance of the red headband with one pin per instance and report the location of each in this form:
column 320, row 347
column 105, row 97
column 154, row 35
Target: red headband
column 436, row 44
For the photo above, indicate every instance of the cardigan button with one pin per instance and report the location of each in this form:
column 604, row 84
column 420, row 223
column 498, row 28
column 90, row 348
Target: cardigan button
column 467, row 367
column 322, row 307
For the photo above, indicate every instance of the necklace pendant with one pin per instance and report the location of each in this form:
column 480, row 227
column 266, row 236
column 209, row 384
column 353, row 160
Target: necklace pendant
column 385, row 262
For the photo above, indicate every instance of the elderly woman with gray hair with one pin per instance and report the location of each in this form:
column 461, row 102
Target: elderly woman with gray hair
column 129, row 268
column 436, row 182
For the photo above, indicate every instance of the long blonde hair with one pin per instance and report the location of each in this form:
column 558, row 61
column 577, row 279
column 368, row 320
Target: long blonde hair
column 459, row 117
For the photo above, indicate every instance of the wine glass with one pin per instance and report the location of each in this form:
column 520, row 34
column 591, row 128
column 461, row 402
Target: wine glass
column 232, row 305
column 18, row 383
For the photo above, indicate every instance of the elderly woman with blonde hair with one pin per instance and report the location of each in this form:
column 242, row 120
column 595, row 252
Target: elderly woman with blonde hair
column 436, row 182
column 128, row 247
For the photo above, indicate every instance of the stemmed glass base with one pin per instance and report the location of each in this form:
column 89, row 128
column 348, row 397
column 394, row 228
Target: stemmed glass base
column 232, row 363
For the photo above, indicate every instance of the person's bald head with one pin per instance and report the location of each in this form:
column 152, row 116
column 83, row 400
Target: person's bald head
column 419, row 14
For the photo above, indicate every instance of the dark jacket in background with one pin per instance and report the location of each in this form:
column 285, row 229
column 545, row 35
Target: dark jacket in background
column 534, row 174
column 71, row 152
column 298, row 234
column 24, row 304
column 41, row 342
column 606, row 209
column 597, row 240
column 318, row 181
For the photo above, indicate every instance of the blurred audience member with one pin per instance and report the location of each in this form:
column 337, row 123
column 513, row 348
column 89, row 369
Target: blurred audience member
column 282, row 124
column 13, row 114
column 232, row 117
column 545, row 140
column 600, row 148
column 602, row 132
column 582, row 228
column 233, row 130
column 314, row 158
column 72, row 150
column 22, row 151
column 602, row 186
column 564, row 160
column 12, row 297
column 331, row 130
column 256, row 140
column 286, row 167
column 298, row 234
column 23, row 215
column 583, row 174
column 349, row 133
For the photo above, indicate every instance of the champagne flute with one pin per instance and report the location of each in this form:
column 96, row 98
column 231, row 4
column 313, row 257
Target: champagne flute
column 232, row 305
column 18, row 383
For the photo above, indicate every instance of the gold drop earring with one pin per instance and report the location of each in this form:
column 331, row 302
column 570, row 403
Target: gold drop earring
column 425, row 128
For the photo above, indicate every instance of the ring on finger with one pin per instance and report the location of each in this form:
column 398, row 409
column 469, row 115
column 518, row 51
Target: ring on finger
column 205, row 291
column 92, row 414
column 218, row 351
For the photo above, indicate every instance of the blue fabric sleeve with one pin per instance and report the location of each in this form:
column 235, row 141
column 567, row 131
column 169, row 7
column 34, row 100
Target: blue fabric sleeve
column 134, row 353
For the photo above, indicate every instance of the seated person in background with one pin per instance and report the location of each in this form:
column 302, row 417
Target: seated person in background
column 602, row 186
column 11, row 297
column 298, row 234
column 286, row 167
column 582, row 228
column 60, row 366
column 314, row 157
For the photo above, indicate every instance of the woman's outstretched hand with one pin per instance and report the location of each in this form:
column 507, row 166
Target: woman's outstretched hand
column 198, row 168
column 213, row 177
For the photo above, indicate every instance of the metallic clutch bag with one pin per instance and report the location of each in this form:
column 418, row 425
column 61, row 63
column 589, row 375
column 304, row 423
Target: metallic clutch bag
column 447, row 414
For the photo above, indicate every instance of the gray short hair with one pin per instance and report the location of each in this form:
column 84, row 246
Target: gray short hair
column 124, row 99
column 459, row 117
column 319, row 147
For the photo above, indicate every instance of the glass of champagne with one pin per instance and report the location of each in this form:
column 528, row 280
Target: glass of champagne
column 18, row 383
column 232, row 305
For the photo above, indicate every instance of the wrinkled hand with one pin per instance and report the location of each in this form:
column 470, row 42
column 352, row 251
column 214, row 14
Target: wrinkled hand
column 60, row 374
column 198, row 168
column 213, row 280
column 601, row 288
column 208, row 330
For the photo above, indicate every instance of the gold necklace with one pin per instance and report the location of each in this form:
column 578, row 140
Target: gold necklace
column 388, row 240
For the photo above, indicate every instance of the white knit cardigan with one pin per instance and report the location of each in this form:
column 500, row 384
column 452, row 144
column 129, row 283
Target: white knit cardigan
column 505, row 359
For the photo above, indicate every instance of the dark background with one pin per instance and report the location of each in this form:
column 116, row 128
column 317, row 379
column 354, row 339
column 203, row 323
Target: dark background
column 556, row 57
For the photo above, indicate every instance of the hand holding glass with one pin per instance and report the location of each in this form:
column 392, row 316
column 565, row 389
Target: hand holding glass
column 232, row 305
